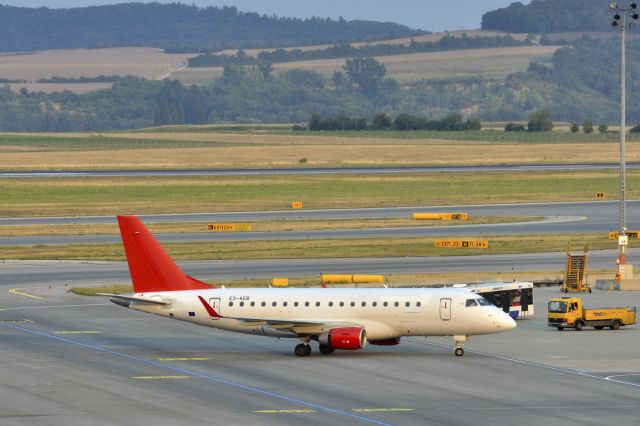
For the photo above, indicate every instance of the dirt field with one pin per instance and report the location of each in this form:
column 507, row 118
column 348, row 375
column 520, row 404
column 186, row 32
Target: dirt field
column 139, row 61
column 494, row 62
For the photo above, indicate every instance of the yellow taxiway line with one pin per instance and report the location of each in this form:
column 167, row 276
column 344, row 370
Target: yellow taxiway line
column 17, row 292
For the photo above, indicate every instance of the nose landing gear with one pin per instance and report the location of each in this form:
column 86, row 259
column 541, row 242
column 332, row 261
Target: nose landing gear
column 458, row 341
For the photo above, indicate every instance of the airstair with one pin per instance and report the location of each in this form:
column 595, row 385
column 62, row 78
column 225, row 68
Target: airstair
column 575, row 275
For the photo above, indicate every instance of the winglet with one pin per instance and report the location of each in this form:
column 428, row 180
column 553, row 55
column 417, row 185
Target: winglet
column 151, row 267
column 212, row 312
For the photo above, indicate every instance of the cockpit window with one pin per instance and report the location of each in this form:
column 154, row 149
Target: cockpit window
column 471, row 302
column 483, row 302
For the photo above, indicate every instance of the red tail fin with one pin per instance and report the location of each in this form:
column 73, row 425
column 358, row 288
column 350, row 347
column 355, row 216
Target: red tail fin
column 151, row 267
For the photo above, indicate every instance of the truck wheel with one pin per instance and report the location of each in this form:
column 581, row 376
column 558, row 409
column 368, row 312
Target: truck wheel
column 560, row 328
column 579, row 325
column 615, row 325
column 599, row 327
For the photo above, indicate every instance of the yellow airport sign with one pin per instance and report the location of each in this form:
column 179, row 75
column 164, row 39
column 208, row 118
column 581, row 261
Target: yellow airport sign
column 613, row 235
column 280, row 282
column 440, row 216
column 229, row 227
column 297, row 205
column 475, row 244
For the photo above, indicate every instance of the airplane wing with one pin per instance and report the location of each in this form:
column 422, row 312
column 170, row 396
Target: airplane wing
column 297, row 327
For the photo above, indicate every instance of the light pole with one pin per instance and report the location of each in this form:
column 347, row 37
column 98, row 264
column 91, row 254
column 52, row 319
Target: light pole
column 619, row 12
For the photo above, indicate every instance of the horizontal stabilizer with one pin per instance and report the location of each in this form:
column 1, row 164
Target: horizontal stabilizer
column 123, row 300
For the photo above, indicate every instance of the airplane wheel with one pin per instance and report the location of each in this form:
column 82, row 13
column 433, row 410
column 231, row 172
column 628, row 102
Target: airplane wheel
column 302, row 350
column 459, row 352
column 326, row 349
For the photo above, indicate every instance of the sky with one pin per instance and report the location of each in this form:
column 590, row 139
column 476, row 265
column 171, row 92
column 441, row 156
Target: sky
column 430, row 15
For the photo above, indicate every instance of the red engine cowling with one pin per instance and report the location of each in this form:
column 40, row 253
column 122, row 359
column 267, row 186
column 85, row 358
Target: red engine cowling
column 386, row 342
column 346, row 338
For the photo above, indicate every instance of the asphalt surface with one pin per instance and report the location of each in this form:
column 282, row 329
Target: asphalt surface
column 21, row 174
column 72, row 360
column 78, row 273
column 559, row 218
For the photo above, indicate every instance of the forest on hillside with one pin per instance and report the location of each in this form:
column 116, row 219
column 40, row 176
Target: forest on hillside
column 550, row 16
column 174, row 27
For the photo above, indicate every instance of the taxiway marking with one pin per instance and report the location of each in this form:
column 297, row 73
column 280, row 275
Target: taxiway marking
column 77, row 332
column 183, row 359
column 160, row 377
column 533, row 364
column 211, row 378
column 17, row 292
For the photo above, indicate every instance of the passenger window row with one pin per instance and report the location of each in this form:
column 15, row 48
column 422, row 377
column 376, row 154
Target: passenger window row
column 330, row 304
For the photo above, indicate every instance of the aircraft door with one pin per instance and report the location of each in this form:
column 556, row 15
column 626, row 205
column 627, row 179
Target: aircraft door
column 445, row 309
column 215, row 304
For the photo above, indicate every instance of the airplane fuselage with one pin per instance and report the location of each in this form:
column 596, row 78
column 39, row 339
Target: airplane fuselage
column 384, row 313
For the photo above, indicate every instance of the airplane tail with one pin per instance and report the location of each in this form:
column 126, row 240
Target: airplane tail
column 150, row 266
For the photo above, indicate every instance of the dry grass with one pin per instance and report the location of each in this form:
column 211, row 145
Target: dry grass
column 309, row 249
column 139, row 61
column 262, row 150
column 405, row 41
column 261, row 226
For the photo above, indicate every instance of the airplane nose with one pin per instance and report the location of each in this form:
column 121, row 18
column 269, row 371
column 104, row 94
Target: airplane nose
column 505, row 322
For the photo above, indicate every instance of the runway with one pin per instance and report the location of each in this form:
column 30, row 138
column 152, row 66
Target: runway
column 72, row 360
column 22, row 174
column 559, row 218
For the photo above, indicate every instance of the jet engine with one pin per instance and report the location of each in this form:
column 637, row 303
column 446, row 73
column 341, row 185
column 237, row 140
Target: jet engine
column 347, row 338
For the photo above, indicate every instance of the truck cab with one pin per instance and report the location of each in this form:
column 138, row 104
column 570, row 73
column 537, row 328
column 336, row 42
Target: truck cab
column 569, row 312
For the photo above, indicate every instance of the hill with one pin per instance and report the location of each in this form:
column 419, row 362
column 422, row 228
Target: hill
column 175, row 27
column 550, row 16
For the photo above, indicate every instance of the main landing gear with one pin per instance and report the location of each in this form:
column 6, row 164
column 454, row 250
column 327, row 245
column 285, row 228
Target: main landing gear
column 458, row 341
column 302, row 349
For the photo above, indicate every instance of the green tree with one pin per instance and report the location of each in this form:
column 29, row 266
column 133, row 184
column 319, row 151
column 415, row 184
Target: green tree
column 366, row 73
column 587, row 126
column 574, row 128
column 381, row 121
column 540, row 121
column 603, row 128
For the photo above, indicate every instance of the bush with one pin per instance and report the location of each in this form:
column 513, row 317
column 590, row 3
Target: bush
column 540, row 121
column 513, row 127
column 574, row 128
column 587, row 126
column 603, row 128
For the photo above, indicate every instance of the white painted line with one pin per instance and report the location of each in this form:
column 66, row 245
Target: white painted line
column 54, row 306
column 533, row 364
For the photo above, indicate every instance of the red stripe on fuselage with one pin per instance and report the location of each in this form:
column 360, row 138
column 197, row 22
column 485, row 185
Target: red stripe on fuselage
column 210, row 310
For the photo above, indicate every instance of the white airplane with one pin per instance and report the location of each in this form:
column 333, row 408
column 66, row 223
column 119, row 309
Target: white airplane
column 337, row 318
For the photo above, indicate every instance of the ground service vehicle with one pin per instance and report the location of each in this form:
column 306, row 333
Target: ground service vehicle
column 569, row 312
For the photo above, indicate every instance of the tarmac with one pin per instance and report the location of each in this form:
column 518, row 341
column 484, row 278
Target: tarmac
column 74, row 360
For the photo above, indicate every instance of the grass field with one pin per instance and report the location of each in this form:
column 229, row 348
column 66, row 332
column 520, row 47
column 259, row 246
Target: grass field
column 492, row 62
column 110, row 196
column 259, row 226
column 308, row 249
column 275, row 146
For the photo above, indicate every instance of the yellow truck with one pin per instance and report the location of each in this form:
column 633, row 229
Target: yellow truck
column 568, row 312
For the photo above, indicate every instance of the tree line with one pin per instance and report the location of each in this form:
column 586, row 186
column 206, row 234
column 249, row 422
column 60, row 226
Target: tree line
column 345, row 50
column 382, row 121
column 175, row 27
column 550, row 16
